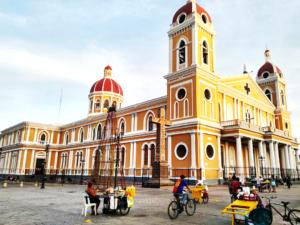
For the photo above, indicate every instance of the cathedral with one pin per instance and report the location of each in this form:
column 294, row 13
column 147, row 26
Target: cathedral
column 221, row 125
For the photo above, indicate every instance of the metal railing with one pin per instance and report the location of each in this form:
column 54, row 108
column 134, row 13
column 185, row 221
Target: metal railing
column 247, row 172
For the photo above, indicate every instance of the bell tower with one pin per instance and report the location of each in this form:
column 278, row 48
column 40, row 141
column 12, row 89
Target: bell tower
column 191, row 39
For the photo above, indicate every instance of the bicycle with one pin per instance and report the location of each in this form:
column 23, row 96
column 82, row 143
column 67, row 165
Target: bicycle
column 293, row 215
column 176, row 207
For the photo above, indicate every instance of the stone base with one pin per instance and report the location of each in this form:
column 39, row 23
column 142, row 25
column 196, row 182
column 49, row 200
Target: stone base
column 158, row 183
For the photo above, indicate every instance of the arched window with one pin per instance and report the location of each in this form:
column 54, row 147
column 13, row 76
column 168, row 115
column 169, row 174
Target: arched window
column 248, row 116
column 182, row 52
column 150, row 125
column 14, row 160
column 67, row 139
column 220, row 113
column 282, row 97
column 186, row 108
column 122, row 128
column 106, row 104
column 145, row 155
column 152, row 149
column 268, row 94
column 205, row 52
column 91, row 105
column 97, row 105
column 229, row 112
column 94, row 134
column 18, row 137
column 176, row 110
column 77, row 159
column 99, row 132
column 81, row 136
column 43, row 137
column 122, row 156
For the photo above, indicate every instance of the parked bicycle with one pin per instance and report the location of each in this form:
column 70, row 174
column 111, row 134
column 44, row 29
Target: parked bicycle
column 293, row 215
column 176, row 207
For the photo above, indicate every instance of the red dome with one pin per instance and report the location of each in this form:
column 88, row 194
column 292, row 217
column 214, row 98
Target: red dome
column 188, row 9
column 267, row 51
column 268, row 67
column 108, row 68
column 107, row 84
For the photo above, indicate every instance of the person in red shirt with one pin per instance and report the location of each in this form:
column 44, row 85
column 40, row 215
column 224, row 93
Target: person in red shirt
column 93, row 197
column 233, row 187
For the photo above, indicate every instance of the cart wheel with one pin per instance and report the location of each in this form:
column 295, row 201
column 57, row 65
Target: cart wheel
column 197, row 200
column 205, row 199
column 237, row 221
column 124, row 210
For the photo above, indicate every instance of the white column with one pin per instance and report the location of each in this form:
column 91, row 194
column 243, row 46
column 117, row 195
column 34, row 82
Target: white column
column 134, row 155
column 276, row 155
column 277, row 94
column 19, row 160
column 55, row 160
column 169, row 151
column 32, row 158
column 272, row 155
column 131, row 155
column 28, row 132
column 87, row 158
column 24, row 160
column 135, row 123
column 226, row 154
column 51, row 140
column 261, row 153
column 35, row 135
column 239, row 154
column 70, row 159
column 220, row 176
column 250, row 149
column 287, row 158
column 291, row 157
column 282, row 154
column 224, row 107
column 266, row 164
column 201, row 155
column 193, row 151
column 261, row 122
column 298, row 158
column 239, row 110
column 58, row 137
column 93, row 106
column 170, row 53
column 49, row 159
column 132, row 122
column 9, row 161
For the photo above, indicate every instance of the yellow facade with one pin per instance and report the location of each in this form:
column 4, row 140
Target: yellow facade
column 221, row 124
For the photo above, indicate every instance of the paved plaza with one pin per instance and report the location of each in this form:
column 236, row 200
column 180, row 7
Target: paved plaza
column 62, row 205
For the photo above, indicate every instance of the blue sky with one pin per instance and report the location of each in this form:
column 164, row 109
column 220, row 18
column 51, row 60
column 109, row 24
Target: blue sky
column 49, row 45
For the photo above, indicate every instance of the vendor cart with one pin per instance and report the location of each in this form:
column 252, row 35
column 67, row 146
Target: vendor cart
column 265, row 186
column 200, row 194
column 239, row 209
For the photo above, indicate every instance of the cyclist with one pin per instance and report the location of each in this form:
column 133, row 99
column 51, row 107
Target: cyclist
column 178, row 188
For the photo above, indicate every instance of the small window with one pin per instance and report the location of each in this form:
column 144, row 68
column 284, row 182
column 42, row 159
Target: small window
column 286, row 125
column 106, row 104
column 181, row 93
column 99, row 132
column 265, row 75
column 67, row 139
column 210, row 152
column 43, row 137
column 91, row 106
column 97, row 105
column 182, row 52
column 150, row 125
column 181, row 152
column 207, row 94
column 204, row 18
column 122, row 128
column 146, row 155
column 268, row 94
column 181, row 18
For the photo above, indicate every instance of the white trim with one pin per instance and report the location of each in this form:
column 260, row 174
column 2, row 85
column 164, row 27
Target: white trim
column 176, row 114
column 263, row 76
column 146, row 118
column 210, row 94
column 212, row 158
column 39, row 136
column 175, row 151
column 176, row 94
column 186, row 41
column 180, row 16
column 186, row 109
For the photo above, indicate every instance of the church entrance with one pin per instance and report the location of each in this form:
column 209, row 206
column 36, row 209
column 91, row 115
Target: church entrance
column 39, row 166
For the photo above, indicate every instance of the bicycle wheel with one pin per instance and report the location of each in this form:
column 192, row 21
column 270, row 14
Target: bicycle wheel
column 197, row 200
column 205, row 199
column 124, row 210
column 294, row 216
column 172, row 210
column 190, row 207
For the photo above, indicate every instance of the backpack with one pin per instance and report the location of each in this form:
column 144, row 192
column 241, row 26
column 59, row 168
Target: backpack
column 178, row 182
column 232, row 190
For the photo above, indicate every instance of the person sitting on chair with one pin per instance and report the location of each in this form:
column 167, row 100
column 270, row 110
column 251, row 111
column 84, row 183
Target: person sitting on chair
column 93, row 197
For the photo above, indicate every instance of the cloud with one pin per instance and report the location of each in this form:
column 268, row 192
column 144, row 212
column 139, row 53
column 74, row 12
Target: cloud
column 13, row 18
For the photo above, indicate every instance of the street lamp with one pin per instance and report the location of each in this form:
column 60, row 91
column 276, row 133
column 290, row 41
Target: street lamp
column 82, row 161
column 261, row 159
column 44, row 165
column 117, row 138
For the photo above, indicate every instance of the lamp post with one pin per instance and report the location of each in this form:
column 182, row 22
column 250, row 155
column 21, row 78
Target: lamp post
column 117, row 138
column 261, row 159
column 44, row 165
column 81, row 178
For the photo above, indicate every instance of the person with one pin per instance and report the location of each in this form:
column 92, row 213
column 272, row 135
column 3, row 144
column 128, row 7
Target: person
column 8, row 177
column 288, row 181
column 93, row 197
column 178, row 188
column 259, row 179
column 273, row 183
column 233, row 188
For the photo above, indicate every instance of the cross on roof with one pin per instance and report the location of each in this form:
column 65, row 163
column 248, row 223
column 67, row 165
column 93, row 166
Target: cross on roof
column 160, row 135
column 247, row 89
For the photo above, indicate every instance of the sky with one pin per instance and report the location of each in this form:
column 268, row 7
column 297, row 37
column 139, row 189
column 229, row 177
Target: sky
column 46, row 46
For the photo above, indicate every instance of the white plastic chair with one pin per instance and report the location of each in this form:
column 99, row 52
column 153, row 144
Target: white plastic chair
column 86, row 205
